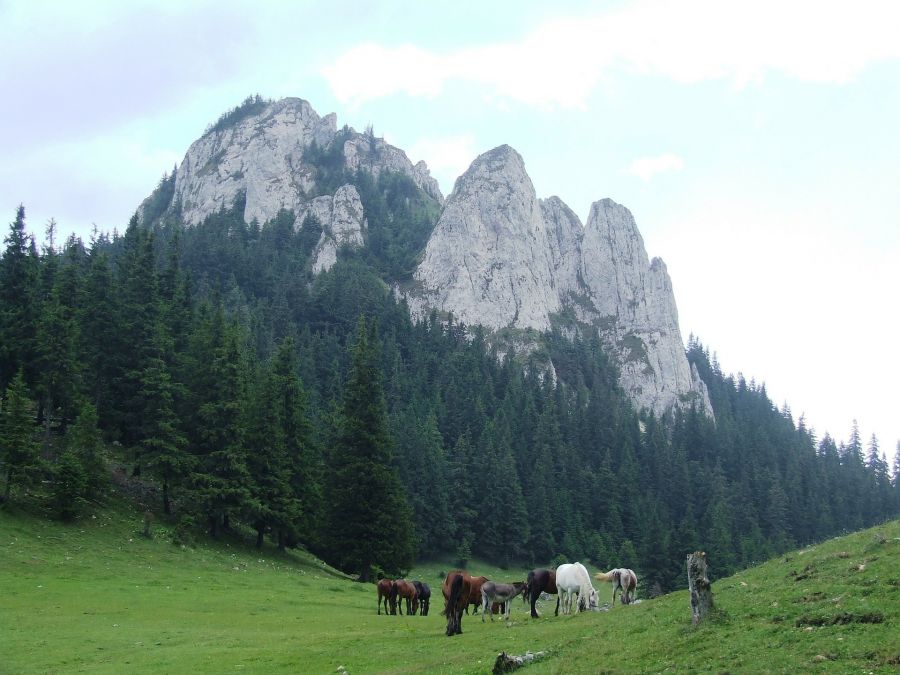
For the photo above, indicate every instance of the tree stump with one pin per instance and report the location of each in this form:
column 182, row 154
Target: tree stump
column 698, row 584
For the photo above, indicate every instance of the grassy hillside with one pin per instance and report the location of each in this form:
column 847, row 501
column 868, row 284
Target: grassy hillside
column 98, row 597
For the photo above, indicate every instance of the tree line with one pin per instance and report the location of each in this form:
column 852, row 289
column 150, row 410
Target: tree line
column 259, row 399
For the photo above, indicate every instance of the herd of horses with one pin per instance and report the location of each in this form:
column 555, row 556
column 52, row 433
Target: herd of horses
column 570, row 583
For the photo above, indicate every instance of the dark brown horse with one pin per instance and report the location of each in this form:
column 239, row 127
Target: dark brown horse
column 456, row 589
column 405, row 590
column 384, row 594
column 424, row 593
column 539, row 581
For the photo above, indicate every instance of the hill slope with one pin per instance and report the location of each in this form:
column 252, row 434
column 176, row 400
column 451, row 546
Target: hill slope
column 98, row 597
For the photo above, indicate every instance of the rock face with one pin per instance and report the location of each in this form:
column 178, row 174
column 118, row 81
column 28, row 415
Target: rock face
column 261, row 156
column 265, row 157
column 498, row 255
column 487, row 260
column 501, row 258
column 341, row 218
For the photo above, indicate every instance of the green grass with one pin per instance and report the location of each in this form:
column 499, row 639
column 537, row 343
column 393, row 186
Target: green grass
column 98, row 597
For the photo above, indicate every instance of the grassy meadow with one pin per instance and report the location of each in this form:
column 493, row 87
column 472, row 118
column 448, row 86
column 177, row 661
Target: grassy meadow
column 96, row 596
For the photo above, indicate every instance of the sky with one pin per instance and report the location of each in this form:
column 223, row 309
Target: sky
column 756, row 143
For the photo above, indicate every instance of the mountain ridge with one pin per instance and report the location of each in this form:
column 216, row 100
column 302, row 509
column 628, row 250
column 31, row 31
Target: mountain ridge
column 498, row 256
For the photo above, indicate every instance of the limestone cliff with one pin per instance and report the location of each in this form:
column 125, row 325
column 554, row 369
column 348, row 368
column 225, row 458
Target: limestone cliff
column 501, row 258
column 267, row 158
column 498, row 256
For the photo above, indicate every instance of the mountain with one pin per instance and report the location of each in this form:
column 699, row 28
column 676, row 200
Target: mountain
column 502, row 258
column 498, row 256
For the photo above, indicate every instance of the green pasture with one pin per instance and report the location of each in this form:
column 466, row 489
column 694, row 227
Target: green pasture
column 98, row 597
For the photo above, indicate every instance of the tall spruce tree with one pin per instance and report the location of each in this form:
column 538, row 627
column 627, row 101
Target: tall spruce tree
column 370, row 521
column 19, row 284
column 19, row 451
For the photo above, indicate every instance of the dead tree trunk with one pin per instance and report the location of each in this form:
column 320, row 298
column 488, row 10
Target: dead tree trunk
column 698, row 584
column 507, row 662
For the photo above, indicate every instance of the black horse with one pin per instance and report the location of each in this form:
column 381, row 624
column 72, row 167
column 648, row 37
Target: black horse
column 424, row 597
column 539, row 581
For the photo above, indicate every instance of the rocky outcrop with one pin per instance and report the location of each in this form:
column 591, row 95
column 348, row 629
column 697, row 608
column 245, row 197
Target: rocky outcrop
column 264, row 157
column 487, row 260
column 342, row 222
column 501, row 258
column 373, row 154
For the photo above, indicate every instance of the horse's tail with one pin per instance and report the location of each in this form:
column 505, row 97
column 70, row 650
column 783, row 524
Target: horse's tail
column 604, row 576
column 455, row 591
column 529, row 585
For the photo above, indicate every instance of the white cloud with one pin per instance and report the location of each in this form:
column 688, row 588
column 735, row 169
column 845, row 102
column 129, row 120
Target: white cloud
column 447, row 158
column 560, row 62
column 647, row 167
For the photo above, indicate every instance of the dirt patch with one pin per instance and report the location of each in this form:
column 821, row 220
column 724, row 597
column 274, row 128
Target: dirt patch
column 808, row 571
column 812, row 597
column 840, row 619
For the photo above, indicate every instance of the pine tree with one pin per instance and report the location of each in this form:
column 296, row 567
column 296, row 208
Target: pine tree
column 19, row 451
column 19, row 303
column 370, row 521
column 222, row 482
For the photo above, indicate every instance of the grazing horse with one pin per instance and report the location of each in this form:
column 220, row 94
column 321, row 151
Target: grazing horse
column 456, row 588
column 384, row 594
column 539, row 581
column 424, row 593
column 571, row 580
column 492, row 592
column 405, row 590
column 475, row 593
column 623, row 579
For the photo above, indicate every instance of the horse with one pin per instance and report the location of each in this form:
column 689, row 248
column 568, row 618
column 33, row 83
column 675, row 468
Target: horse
column 424, row 593
column 405, row 590
column 384, row 594
column 573, row 579
column 539, row 581
column 456, row 587
column 623, row 579
column 492, row 592
column 475, row 593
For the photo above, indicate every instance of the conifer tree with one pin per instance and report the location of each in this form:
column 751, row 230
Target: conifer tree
column 370, row 521
column 19, row 279
column 19, row 452
column 222, row 480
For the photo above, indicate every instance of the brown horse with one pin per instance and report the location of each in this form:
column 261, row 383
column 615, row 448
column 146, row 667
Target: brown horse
column 405, row 590
column 384, row 594
column 456, row 589
column 539, row 581
column 475, row 593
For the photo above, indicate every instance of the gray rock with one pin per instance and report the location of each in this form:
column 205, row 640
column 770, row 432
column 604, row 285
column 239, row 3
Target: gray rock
column 263, row 157
column 488, row 260
column 342, row 221
column 501, row 258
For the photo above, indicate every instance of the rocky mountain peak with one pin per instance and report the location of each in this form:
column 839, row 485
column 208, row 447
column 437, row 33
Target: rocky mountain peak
column 501, row 258
column 487, row 260
column 262, row 150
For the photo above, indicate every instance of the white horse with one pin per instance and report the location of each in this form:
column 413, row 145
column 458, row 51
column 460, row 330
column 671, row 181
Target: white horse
column 622, row 579
column 571, row 580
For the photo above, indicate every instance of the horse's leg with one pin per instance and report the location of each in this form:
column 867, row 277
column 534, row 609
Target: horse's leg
column 558, row 596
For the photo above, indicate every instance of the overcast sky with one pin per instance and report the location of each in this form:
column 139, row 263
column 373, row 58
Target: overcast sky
column 756, row 143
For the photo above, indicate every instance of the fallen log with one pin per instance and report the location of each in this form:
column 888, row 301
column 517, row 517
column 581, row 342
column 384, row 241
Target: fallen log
column 506, row 663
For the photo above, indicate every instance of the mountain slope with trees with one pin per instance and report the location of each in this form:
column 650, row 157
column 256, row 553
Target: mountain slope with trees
column 253, row 396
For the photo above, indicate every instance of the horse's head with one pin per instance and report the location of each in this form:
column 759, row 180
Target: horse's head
column 592, row 600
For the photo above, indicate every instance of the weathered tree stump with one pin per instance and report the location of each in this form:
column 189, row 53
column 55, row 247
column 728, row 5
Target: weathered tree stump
column 699, row 586
column 507, row 662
